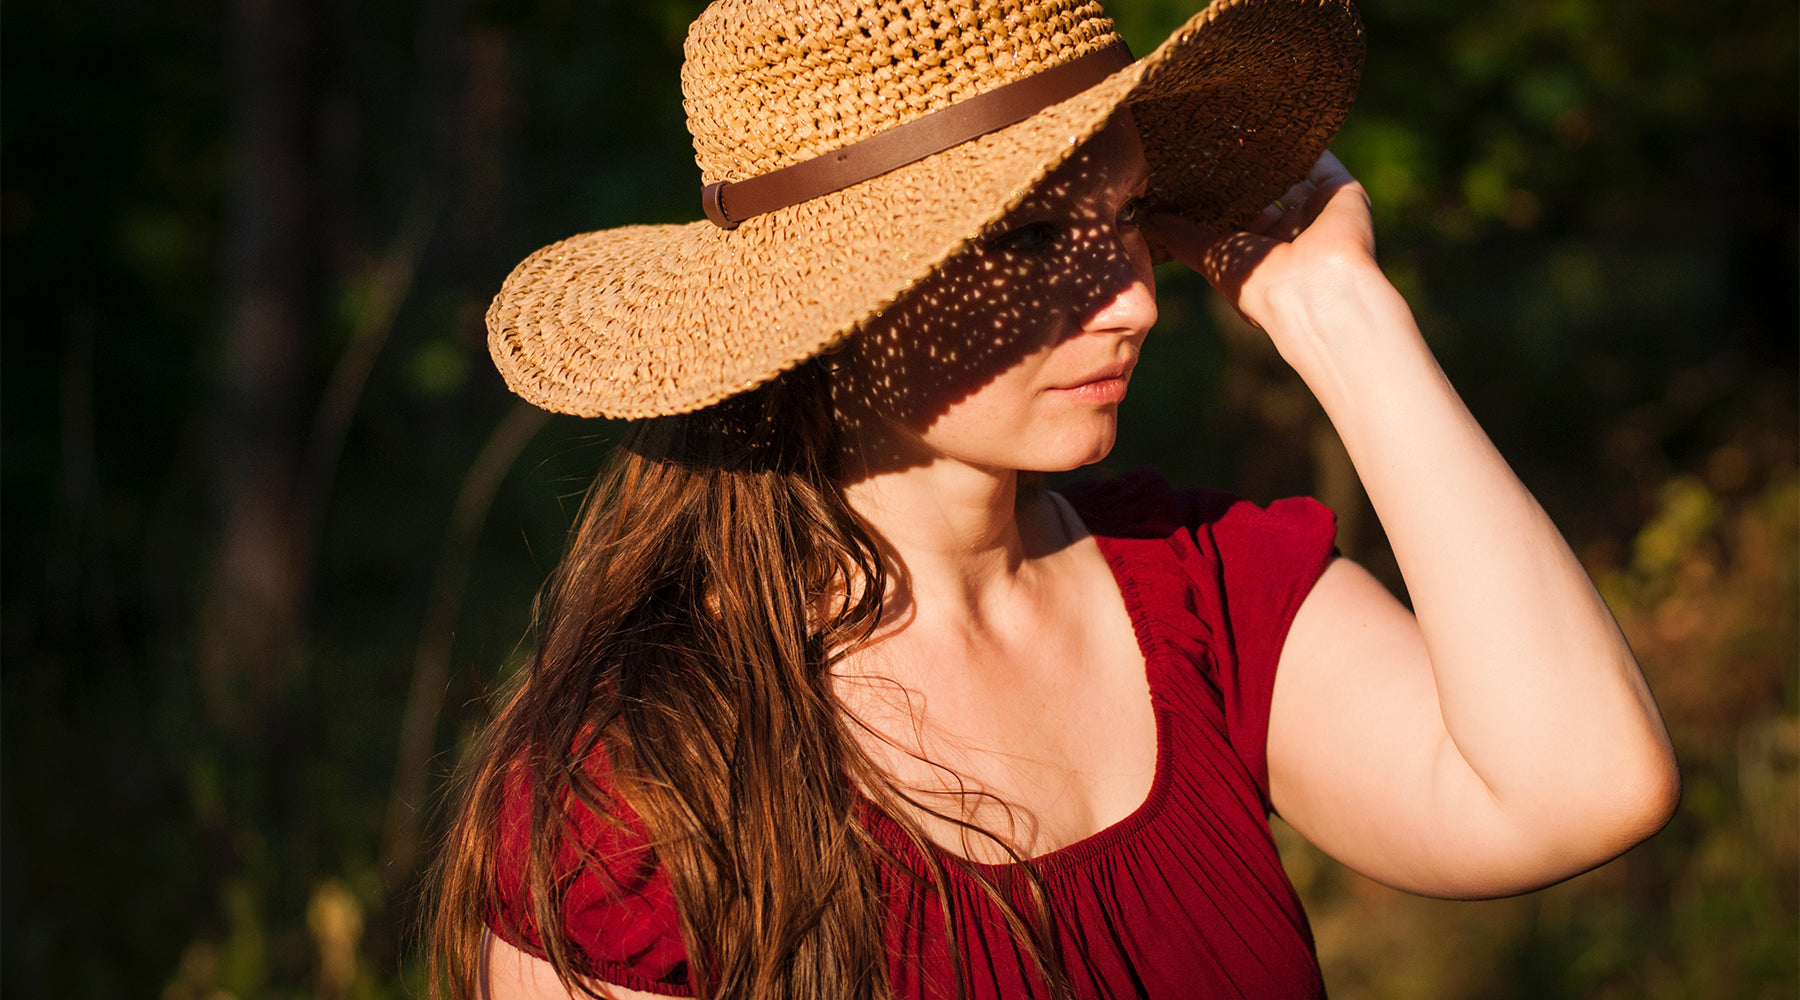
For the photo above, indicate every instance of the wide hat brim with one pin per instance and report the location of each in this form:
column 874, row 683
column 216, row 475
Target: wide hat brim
column 646, row 321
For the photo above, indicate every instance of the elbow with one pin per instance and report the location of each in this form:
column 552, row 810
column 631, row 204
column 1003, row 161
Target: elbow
column 1633, row 782
column 1638, row 801
column 1656, row 796
column 1584, row 834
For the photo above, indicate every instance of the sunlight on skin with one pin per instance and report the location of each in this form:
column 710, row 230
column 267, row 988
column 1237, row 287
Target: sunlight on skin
column 1462, row 753
column 1015, row 356
column 1502, row 740
column 1044, row 317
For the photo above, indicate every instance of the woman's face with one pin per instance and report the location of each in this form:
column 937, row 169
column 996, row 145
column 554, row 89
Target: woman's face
column 1015, row 355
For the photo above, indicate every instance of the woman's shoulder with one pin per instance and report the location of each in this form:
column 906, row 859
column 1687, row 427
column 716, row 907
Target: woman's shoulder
column 614, row 899
column 1214, row 581
column 1143, row 504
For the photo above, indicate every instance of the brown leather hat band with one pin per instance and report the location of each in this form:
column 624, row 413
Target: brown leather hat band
column 908, row 143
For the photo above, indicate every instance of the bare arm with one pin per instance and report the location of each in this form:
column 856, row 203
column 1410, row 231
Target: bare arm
column 512, row 974
column 1502, row 740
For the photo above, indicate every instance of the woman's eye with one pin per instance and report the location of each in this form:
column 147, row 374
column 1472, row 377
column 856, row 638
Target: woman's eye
column 1132, row 214
column 1026, row 238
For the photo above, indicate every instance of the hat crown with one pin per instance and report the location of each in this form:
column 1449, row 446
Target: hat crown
column 767, row 85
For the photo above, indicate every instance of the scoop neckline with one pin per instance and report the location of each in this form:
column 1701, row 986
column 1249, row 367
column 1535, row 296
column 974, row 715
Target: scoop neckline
column 1125, row 828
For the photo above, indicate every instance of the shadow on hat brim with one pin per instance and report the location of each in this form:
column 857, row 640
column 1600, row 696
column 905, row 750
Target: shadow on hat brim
column 646, row 321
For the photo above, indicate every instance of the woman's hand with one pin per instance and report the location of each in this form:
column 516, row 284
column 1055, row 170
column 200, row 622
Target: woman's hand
column 1319, row 228
column 1304, row 266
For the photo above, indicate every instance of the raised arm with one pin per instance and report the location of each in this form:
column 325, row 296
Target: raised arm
column 1502, row 740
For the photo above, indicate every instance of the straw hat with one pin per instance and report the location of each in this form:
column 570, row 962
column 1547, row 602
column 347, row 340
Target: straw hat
column 848, row 147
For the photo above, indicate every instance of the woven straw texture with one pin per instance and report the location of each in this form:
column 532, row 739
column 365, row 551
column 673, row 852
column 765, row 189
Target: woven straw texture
column 653, row 320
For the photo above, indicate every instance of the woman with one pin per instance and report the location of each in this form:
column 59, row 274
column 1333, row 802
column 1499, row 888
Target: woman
column 832, row 699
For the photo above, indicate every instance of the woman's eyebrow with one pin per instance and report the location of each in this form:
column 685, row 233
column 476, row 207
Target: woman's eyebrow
column 1136, row 178
column 1139, row 177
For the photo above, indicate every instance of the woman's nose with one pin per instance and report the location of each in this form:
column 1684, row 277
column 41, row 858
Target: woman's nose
column 1132, row 305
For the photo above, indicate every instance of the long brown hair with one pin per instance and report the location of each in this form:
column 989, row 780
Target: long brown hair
column 688, row 635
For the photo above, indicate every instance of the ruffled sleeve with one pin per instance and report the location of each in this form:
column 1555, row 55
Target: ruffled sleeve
column 1243, row 571
column 618, row 908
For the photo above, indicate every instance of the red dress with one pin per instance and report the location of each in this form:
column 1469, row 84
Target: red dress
column 1183, row 898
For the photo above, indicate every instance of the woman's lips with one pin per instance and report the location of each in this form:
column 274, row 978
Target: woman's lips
column 1104, row 386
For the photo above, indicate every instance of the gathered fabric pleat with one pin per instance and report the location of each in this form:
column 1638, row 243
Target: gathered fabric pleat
column 1186, row 896
column 1183, row 898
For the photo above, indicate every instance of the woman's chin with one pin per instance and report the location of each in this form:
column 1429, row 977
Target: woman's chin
column 1077, row 450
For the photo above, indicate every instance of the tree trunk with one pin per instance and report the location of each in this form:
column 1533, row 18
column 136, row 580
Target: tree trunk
column 251, row 616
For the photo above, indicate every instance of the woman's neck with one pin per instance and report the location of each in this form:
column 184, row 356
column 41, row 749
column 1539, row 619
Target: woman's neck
column 959, row 532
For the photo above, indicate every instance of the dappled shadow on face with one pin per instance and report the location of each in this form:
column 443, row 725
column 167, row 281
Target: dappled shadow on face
column 1037, row 277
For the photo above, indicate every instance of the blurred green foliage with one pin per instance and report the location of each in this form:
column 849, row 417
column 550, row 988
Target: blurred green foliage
column 1592, row 208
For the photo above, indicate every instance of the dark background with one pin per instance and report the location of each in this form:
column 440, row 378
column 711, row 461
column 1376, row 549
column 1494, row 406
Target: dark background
column 272, row 526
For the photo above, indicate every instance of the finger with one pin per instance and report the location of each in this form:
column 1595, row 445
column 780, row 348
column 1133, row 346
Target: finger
column 1268, row 218
column 1187, row 240
column 1224, row 259
column 1285, row 218
column 1297, row 195
column 1273, row 213
column 1347, row 211
column 1328, row 171
column 1327, row 177
column 1342, row 202
column 1302, row 204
